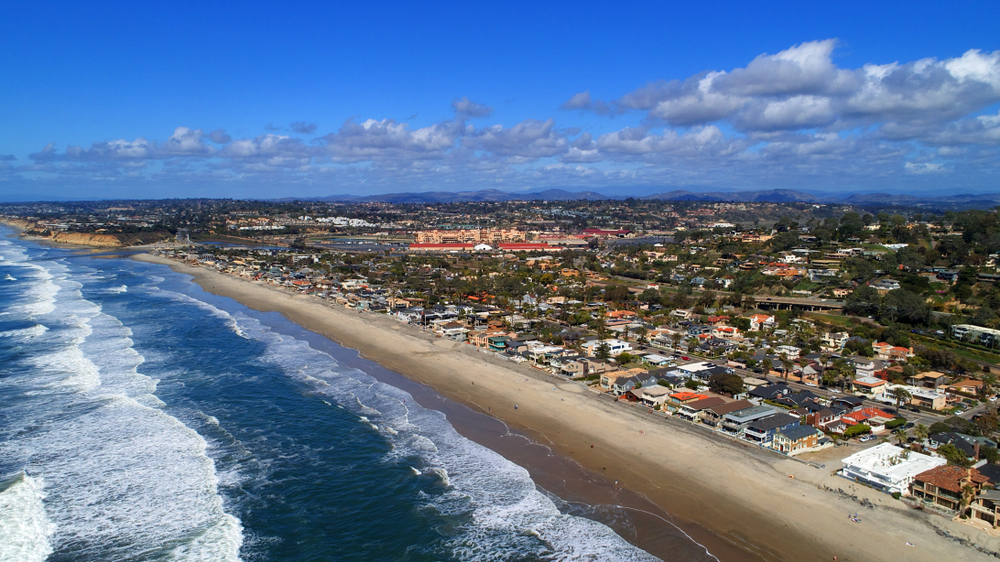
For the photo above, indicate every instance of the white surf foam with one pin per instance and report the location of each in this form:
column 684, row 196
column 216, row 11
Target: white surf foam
column 31, row 332
column 24, row 528
column 124, row 479
column 504, row 515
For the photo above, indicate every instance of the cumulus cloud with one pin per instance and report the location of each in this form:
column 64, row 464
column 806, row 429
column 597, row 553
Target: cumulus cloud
column 303, row 128
column 465, row 108
column 219, row 136
column 384, row 139
column 792, row 119
column 802, row 88
column 528, row 139
column 583, row 102
column 924, row 168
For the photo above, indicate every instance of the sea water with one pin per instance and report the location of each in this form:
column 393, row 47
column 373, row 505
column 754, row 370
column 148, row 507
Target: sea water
column 142, row 419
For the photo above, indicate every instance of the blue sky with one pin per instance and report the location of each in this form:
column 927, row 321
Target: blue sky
column 254, row 99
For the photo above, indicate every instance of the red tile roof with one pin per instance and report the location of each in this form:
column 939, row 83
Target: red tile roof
column 951, row 478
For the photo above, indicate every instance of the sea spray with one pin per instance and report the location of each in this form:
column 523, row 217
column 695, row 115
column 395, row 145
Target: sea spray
column 24, row 528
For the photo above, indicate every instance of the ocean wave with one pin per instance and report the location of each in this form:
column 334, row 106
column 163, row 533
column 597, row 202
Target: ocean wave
column 496, row 509
column 124, row 479
column 31, row 332
column 24, row 528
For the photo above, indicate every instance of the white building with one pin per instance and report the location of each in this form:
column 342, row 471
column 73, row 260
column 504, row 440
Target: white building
column 888, row 467
column 614, row 346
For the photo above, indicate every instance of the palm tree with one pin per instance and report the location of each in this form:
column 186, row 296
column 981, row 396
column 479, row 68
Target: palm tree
column 921, row 432
column 786, row 365
column 989, row 382
column 824, row 359
column 901, row 395
column 641, row 333
column 968, row 494
column 768, row 365
column 900, row 435
column 676, row 339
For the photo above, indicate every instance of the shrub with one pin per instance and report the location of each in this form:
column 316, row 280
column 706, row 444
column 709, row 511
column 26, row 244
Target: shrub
column 856, row 430
column 896, row 495
column 898, row 422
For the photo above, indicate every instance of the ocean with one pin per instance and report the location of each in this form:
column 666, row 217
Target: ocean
column 144, row 419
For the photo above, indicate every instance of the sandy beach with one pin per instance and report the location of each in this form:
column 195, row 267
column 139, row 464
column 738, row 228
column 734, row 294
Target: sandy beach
column 762, row 505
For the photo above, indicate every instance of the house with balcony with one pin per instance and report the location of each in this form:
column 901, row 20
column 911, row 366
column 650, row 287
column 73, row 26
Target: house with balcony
column 761, row 431
column 796, row 439
column 889, row 352
column 735, row 423
column 869, row 386
column 497, row 343
column 834, row 340
column 653, row 396
column 929, row 379
column 942, row 485
column 760, row 321
column 919, row 396
column 692, row 411
column 986, row 507
column 887, row 467
column 713, row 416
column 615, row 346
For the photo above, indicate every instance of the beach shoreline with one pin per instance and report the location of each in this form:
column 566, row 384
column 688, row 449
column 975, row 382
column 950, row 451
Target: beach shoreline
column 755, row 504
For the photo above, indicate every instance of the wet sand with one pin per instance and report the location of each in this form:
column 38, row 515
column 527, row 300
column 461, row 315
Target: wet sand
column 742, row 503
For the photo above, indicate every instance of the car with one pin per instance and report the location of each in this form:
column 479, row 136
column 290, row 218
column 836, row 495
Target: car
column 993, row 398
column 909, row 425
column 866, row 438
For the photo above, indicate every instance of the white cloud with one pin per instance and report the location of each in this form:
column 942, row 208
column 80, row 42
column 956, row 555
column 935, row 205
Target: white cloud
column 924, row 168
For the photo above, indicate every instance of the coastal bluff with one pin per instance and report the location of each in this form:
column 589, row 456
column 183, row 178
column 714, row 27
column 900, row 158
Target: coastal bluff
column 94, row 239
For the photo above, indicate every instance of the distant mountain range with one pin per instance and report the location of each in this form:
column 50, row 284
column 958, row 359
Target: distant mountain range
column 961, row 201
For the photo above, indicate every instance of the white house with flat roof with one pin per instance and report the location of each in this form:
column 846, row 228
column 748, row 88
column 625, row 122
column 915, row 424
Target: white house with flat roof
column 888, row 467
column 919, row 396
column 614, row 346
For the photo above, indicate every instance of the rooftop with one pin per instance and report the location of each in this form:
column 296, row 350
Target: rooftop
column 888, row 460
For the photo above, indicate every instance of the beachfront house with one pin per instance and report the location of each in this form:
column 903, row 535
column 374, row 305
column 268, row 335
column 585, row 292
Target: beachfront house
column 653, row 396
column 735, row 423
column 887, row 467
column 986, row 507
column 713, row 415
column 796, row 439
column 692, row 411
column 761, row 430
column 497, row 343
column 943, row 485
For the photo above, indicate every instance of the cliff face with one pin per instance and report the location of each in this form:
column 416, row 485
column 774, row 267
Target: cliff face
column 85, row 239
column 19, row 223
column 88, row 238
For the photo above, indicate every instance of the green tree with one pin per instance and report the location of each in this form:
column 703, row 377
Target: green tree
column 603, row 351
column 901, row 395
column 900, row 435
column 953, row 454
column 725, row 383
